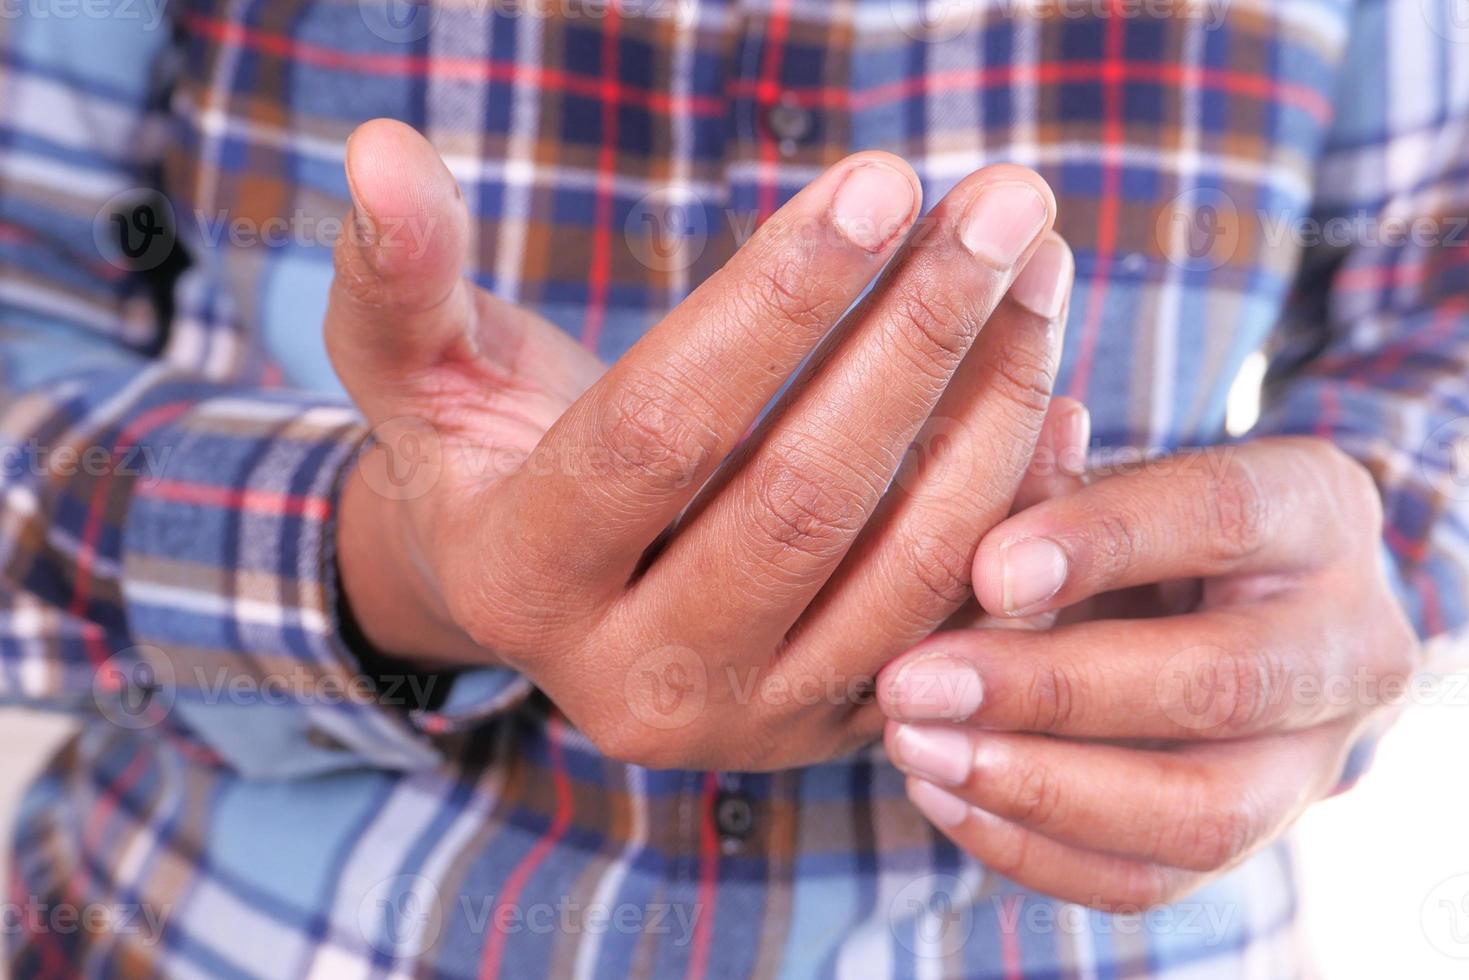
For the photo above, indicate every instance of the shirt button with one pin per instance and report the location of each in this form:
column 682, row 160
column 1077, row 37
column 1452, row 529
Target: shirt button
column 790, row 124
column 734, row 815
column 323, row 739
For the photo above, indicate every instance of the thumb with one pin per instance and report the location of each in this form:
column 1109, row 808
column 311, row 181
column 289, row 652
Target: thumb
column 1057, row 469
column 399, row 301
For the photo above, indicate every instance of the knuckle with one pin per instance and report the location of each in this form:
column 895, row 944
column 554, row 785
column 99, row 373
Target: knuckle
column 802, row 506
column 1009, row 852
column 1237, row 515
column 358, row 279
column 1036, row 801
column 372, row 290
column 1251, row 674
column 1402, row 650
column 1215, row 835
column 1053, row 695
column 1357, row 488
column 1398, row 653
column 769, row 735
column 1024, row 376
column 1145, row 886
column 626, row 741
column 654, row 435
column 941, row 569
column 932, row 329
column 782, row 290
column 1116, row 542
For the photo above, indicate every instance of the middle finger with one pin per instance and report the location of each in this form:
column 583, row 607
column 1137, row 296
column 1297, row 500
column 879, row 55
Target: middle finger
column 1201, row 808
column 1217, row 674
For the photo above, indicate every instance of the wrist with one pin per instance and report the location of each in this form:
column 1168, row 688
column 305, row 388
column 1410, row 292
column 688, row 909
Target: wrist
column 384, row 586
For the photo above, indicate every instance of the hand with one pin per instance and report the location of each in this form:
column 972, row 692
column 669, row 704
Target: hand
column 572, row 524
column 1121, row 764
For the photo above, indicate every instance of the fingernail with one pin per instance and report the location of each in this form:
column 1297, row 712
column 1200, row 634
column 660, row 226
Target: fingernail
column 1031, row 571
column 872, row 205
column 1078, row 436
column 940, row 806
column 1042, row 285
column 362, row 224
column 363, row 228
column 934, row 753
column 1002, row 221
column 936, row 687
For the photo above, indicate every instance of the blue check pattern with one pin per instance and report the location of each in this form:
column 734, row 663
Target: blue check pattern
column 243, row 806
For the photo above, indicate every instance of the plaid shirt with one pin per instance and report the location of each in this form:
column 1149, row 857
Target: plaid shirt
column 1235, row 177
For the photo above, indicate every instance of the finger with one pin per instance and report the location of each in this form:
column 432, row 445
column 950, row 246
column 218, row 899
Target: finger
column 1058, row 465
column 810, row 478
column 398, row 302
column 909, row 569
column 622, row 463
column 1202, row 808
column 1211, row 675
column 1272, row 506
column 1100, row 881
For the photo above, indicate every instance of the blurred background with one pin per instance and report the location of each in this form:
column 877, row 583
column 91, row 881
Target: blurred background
column 1385, row 867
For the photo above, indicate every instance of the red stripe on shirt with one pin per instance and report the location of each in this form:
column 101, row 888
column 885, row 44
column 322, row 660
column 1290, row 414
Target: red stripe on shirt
column 234, row 498
column 708, row 880
column 600, row 274
column 1113, row 136
column 516, row 882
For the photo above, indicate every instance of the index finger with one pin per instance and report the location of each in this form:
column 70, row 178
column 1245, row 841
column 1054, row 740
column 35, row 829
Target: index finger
column 1277, row 506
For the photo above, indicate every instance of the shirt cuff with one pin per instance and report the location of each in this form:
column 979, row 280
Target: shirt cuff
column 229, row 586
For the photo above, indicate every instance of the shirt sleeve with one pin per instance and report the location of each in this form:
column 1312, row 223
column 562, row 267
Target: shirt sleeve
column 167, row 537
column 1374, row 351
